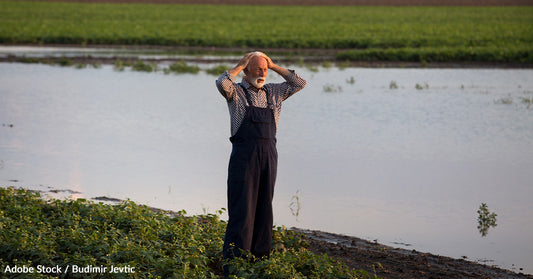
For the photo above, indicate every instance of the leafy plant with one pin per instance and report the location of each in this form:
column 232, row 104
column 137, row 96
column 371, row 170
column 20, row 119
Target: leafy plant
column 183, row 67
column 485, row 219
column 155, row 244
column 143, row 67
column 217, row 70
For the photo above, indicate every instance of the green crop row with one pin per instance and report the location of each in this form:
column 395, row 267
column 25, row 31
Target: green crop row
column 294, row 27
column 35, row 233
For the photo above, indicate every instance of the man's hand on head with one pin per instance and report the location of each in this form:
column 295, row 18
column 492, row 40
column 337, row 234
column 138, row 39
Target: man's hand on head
column 246, row 59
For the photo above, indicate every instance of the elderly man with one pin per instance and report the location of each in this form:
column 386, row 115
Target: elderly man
column 254, row 109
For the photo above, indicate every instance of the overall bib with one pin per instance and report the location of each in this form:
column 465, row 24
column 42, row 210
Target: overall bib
column 251, row 177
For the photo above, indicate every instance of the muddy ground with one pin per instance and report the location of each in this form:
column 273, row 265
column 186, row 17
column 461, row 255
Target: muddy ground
column 396, row 263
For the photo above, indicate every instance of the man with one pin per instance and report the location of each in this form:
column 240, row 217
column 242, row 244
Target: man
column 254, row 109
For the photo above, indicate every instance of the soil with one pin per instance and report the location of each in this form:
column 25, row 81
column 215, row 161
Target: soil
column 395, row 263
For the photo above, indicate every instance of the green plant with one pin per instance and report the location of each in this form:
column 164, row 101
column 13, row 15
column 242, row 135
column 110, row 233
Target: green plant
column 63, row 61
column 330, row 88
column 504, row 101
column 142, row 67
column 351, row 80
column 217, row 70
column 183, row 67
column 153, row 244
column 295, row 205
column 485, row 219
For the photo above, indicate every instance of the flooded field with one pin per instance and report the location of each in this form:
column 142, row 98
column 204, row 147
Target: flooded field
column 401, row 156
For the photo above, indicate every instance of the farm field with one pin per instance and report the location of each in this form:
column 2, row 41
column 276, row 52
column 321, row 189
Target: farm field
column 358, row 33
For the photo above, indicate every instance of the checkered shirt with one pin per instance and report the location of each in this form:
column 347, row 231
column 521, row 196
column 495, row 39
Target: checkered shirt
column 237, row 102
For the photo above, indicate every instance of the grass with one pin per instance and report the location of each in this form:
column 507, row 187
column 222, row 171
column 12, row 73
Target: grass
column 67, row 233
column 421, row 34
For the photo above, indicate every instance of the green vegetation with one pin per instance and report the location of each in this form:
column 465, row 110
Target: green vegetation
column 485, row 219
column 217, row 70
column 183, row 67
column 421, row 34
column 35, row 232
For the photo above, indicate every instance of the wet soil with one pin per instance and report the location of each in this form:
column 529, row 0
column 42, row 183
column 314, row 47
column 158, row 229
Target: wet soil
column 395, row 263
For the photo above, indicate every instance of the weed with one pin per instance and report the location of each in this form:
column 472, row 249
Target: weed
column 217, row 70
column 25, row 59
column 393, row 85
column 485, row 219
column 527, row 101
column 351, row 80
column 119, row 65
column 330, row 88
column 420, row 87
column 64, row 62
column 326, row 64
column 343, row 65
column 183, row 67
column 295, row 205
column 504, row 101
column 142, row 67
column 156, row 244
column 312, row 68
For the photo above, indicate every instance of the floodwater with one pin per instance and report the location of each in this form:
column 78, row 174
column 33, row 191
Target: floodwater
column 403, row 156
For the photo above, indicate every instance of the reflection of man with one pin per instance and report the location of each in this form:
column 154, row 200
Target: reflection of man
column 254, row 109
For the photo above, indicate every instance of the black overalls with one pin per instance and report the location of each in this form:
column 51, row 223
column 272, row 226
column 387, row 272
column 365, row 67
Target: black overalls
column 251, row 177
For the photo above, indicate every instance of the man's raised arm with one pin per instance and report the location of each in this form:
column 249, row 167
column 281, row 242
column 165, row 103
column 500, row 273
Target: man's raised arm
column 225, row 81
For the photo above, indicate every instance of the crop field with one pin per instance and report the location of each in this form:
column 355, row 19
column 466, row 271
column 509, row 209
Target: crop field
column 431, row 34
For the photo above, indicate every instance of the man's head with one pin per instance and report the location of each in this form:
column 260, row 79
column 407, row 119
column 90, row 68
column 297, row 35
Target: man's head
column 256, row 71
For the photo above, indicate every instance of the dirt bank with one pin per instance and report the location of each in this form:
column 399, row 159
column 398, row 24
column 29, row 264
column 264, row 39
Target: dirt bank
column 396, row 263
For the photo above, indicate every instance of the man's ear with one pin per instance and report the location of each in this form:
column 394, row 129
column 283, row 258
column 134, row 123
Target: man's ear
column 245, row 71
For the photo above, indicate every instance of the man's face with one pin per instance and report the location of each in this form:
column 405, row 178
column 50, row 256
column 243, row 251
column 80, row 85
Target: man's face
column 257, row 71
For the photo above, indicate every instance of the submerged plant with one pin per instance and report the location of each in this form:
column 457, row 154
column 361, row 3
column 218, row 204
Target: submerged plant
column 420, row 87
column 183, row 67
column 527, row 101
column 504, row 101
column 63, row 61
column 142, row 67
column 295, row 205
column 217, row 70
column 330, row 88
column 485, row 219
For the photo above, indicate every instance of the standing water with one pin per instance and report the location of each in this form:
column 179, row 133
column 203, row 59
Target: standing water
column 404, row 156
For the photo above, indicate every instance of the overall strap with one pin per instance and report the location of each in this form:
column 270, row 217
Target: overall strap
column 249, row 100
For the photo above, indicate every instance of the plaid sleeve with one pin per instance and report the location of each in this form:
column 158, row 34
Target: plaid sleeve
column 226, row 85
